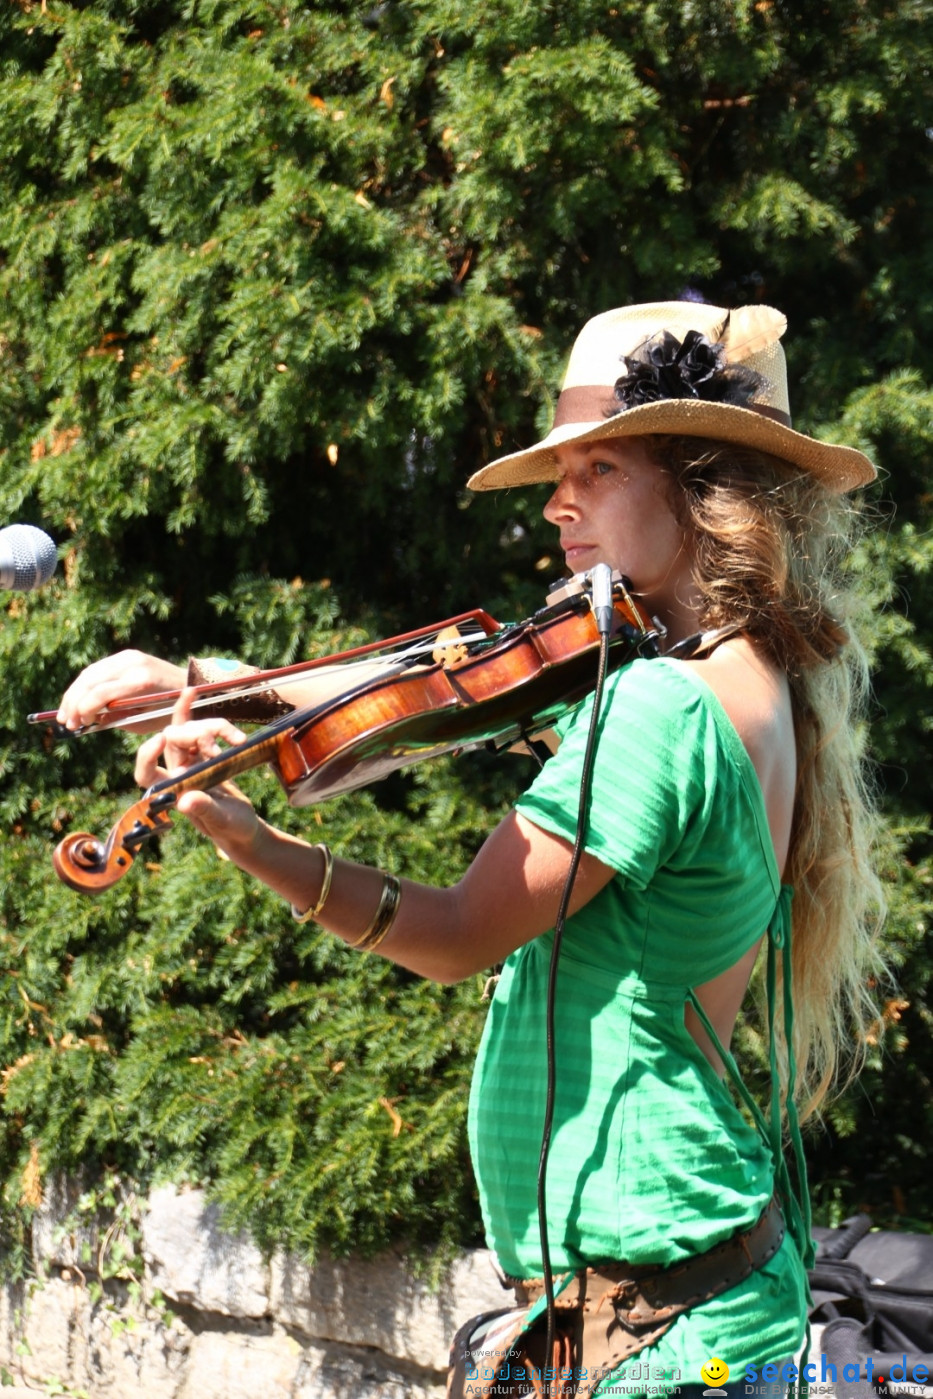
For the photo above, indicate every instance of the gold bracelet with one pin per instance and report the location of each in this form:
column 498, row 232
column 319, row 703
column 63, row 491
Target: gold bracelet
column 384, row 916
column 315, row 909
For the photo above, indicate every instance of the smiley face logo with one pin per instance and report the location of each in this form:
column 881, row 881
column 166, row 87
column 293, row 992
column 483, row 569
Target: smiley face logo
column 715, row 1372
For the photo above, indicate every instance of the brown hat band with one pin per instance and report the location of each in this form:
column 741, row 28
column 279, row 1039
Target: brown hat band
column 588, row 403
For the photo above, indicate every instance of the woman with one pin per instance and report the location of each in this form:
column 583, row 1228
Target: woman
column 727, row 773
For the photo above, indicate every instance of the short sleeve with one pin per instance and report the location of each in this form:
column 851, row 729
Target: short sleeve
column 656, row 768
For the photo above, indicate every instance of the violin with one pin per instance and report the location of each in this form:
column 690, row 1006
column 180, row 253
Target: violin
column 504, row 686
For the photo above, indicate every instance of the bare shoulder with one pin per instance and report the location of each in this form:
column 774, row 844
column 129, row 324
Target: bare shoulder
column 756, row 696
column 752, row 690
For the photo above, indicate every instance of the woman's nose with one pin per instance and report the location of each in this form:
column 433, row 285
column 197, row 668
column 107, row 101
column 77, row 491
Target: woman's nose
column 563, row 502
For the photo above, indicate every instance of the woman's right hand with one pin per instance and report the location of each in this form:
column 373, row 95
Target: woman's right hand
column 124, row 675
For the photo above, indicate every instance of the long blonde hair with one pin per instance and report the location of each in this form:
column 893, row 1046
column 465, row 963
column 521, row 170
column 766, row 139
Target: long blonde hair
column 769, row 542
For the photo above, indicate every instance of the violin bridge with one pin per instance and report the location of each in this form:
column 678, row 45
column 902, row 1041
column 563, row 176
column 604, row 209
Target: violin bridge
column 449, row 649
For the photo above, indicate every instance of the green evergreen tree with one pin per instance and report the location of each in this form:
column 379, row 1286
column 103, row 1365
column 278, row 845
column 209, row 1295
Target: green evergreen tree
column 274, row 279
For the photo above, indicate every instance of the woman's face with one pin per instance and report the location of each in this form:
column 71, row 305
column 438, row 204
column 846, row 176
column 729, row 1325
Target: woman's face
column 612, row 505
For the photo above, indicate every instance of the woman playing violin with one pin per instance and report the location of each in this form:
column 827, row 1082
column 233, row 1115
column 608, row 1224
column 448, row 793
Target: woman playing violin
column 727, row 778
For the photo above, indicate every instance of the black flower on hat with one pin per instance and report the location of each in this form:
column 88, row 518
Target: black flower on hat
column 665, row 367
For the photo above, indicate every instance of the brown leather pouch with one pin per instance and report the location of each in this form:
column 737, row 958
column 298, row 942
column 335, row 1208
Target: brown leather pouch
column 499, row 1356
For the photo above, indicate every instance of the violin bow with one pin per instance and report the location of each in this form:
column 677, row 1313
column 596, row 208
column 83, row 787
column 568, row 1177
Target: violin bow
column 124, row 713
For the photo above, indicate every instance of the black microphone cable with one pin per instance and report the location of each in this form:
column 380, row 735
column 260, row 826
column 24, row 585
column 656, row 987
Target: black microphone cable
column 601, row 583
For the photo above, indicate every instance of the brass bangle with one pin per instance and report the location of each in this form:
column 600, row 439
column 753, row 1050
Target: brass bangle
column 315, row 909
column 379, row 934
column 384, row 916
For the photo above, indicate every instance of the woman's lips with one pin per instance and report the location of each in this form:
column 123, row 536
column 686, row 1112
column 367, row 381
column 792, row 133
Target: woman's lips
column 574, row 555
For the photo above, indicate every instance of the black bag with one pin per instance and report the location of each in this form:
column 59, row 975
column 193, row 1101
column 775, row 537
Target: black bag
column 884, row 1283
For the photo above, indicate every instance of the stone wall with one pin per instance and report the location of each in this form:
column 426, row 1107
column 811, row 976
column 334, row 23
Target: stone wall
column 209, row 1318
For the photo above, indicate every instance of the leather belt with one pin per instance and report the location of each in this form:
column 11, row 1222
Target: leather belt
column 645, row 1293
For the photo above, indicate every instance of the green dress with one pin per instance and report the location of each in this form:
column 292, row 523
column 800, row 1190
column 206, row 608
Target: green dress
column 651, row 1160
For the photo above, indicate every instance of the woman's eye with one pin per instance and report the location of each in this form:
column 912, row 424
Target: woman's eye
column 602, row 468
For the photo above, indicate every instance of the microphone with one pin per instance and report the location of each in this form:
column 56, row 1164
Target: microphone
column 601, row 593
column 27, row 558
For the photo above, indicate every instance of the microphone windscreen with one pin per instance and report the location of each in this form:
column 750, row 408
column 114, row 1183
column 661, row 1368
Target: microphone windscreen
column 27, row 558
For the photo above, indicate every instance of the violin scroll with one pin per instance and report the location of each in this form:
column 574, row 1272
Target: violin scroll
column 89, row 865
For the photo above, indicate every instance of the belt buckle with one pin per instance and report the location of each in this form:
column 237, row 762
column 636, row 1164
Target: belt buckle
column 622, row 1296
column 632, row 1307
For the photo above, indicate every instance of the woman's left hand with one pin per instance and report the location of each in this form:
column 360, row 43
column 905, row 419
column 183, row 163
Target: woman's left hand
column 222, row 813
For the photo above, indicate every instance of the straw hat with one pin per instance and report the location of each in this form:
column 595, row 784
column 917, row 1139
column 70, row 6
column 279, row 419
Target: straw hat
column 686, row 368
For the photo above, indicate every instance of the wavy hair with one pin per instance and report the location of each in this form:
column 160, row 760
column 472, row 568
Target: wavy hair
column 769, row 543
